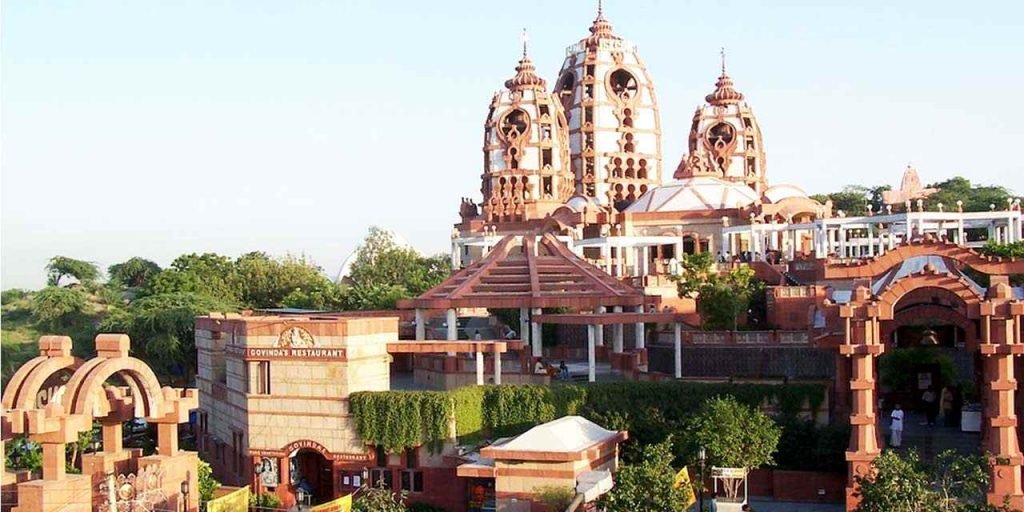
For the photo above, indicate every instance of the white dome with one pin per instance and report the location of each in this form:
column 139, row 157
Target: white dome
column 578, row 203
column 699, row 193
column 777, row 193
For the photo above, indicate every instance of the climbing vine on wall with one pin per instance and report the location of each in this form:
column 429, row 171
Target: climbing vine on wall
column 649, row 410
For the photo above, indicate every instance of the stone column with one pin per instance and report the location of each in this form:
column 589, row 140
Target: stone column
column 497, row 368
column 524, row 324
column 599, row 334
column 421, row 326
column 998, row 352
column 591, row 357
column 456, row 255
column 641, row 341
column 53, row 461
column 617, row 331
column 479, row 368
column 678, row 346
column 862, row 349
column 536, row 336
column 453, row 327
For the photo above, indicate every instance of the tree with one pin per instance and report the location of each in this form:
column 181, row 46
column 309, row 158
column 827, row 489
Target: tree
column 58, row 307
column 976, row 198
column 379, row 498
column 554, row 497
column 648, row 485
column 721, row 297
column 264, row 282
column 902, row 483
column 323, row 296
column 202, row 274
column 162, row 327
column 382, row 267
column 62, row 266
column 733, row 435
column 207, row 484
column 134, row 273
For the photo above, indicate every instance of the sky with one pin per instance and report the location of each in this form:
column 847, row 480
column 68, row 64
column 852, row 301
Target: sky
column 156, row 128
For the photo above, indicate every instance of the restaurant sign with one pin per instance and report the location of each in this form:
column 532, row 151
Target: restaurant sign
column 292, row 448
column 264, row 353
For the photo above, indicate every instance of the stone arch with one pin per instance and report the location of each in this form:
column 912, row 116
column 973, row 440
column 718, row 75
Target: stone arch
column 86, row 384
column 923, row 247
column 892, row 294
column 943, row 314
column 146, row 390
column 25, row 384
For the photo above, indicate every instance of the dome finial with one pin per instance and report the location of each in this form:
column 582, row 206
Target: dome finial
column 525, row 38
column 600, row 8
column 722, row 52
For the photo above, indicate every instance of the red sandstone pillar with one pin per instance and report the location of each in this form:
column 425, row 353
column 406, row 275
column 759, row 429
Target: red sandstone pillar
column 1002, row 426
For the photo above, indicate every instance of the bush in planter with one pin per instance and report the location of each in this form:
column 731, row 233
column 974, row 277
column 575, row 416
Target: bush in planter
column 554, row 497
column 265, row 500
column 424, row 507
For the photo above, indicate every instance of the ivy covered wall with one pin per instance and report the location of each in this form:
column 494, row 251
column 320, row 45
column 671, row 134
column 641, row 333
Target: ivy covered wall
column 648, row 410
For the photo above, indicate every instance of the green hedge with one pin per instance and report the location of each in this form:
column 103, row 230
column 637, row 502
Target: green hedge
column 648, row 410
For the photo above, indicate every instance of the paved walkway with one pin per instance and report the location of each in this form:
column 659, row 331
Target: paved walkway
column 761, row 505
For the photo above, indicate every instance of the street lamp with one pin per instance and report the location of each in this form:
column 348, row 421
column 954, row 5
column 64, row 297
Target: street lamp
column 184, row 492
column 701, row 456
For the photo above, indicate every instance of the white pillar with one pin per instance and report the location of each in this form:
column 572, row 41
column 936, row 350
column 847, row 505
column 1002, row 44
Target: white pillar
column 453, row 325
column 842, row 242
column 536, row 339
column 479, row 368
column 678, row 342
column 640, row 341
column 591, row 357
column 456, row 255
column 599, row 335
column 617, row 331
column 497, row 368
column 421, row 326
column 960, row 231
column 871, row 240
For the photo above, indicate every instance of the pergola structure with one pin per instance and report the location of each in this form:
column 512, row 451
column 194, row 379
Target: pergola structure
column 532, row 272
column 886, row 286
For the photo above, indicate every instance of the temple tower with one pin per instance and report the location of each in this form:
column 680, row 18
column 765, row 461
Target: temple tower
column 726, row 132
column 526, row 151
column 614, row 125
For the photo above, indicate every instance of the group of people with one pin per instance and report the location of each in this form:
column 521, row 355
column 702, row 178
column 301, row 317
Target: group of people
column 772, row 257
column 562, row 373
column 948, row 404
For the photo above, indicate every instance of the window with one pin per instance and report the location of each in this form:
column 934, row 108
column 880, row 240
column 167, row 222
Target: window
column 382, row 475
column 547, row 186
column 751, row 165
column 412, row 458
column 412, row 481
column 381, row 457
column 545, row 157
column 750, row 143
column 566, row 84
column 624, row 84
column 514, row 124
column 590, row 70
column 543, row 109
column 259, row 377
column 236, row 448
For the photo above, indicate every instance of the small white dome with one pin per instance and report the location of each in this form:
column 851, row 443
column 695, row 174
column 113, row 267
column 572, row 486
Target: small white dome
column 699, row 193
column 777, row 193
column 578, row 203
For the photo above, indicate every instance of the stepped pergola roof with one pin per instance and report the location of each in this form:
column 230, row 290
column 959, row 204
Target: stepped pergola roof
column 529, row 272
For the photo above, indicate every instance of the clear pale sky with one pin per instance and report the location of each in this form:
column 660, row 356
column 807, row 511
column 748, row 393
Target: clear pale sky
column 156, row 128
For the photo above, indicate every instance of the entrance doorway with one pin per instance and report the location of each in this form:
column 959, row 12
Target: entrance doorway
column 311, row 476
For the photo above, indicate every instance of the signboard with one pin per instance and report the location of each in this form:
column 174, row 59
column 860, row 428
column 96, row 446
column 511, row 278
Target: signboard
column 237, row 501
column 682, row 481
column 342, row 504
column 267, row 353
column 52, row 388
column 728, row 472
column 309, row 444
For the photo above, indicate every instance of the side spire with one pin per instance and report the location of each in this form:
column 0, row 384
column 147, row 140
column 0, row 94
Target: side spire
column 724, row 93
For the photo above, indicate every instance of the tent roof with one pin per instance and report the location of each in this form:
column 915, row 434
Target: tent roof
column 529, row 272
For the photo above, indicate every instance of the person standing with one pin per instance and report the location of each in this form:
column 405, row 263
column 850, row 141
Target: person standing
column 896, row 427
column 931, row 405
column 946, row 406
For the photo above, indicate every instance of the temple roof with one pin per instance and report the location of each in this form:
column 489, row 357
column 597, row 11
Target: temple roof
column 698, row 193
column 568, row 434
column 526, row 272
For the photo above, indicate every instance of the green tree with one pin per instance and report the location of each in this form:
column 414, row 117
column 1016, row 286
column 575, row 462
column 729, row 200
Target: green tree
column 1012, row 250
column 733, row 435
column 207, row 484
column 379, row 498
column 23, row 454
column 903, row 483
column 976, row 198
column 264, row 282
column 382, row 267
column 59, row 308
column 60, row 267
column 721, row 297
column 853, row 200
column 134, row 273
column 648, row 485
column 162, row 327
column 324, row 296
column 206, row 274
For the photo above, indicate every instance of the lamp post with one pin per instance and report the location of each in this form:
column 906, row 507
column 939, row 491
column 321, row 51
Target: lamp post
column 701, row 456
column 184, row 492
